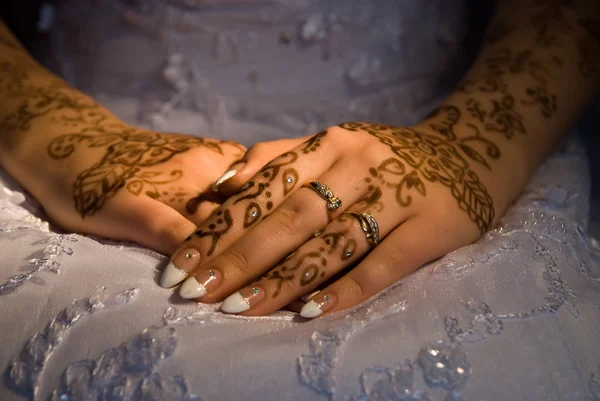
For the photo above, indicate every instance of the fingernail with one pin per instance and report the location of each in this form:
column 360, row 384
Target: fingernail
column 242, row 300
column 309, row 296
column 316, row 307
column 180, row 267
column 200, row 284
column 228, row 175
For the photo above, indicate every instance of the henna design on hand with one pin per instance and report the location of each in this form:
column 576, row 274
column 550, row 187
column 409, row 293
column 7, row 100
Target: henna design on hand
column 313, row 143
column 310, row 264
column 128, row 151
column 216, row 230
column 444, row 120
column 259, row 191
column 433, row 159
column 194, row 203
column 387, row 169
column 289, row 178
column 151, row 179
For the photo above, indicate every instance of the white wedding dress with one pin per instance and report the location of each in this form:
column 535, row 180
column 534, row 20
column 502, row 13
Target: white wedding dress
column 515, row 316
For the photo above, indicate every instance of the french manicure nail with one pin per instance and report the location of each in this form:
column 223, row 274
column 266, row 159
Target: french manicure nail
column 242, row 300
column 308, row 296
column 200, row 284
column 316, row 307
column 228, row 175
column 180, row 267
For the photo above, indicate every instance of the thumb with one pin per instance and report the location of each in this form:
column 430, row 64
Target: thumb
column 255, row 158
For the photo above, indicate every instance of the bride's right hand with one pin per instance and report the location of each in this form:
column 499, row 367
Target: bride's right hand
column 114, row 180
column 93, row 173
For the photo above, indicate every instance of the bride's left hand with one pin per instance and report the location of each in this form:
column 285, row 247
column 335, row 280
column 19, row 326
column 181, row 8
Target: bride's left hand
column 428, row 193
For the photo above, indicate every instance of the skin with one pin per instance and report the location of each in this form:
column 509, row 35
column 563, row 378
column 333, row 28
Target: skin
column 93, row 173
column 433, row 187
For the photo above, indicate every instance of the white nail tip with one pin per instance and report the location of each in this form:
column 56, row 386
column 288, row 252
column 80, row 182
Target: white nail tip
column 172, row 275
column 226, row 176
column 311, row 309
column 307, row 297
column 191, row 289
column 235, row 303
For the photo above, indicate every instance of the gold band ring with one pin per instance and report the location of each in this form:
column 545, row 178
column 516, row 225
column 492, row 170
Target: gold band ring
column 326, row 193
column 369, row 226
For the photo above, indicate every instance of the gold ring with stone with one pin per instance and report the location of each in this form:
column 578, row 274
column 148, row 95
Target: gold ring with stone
column 326, row 193
column 369, row 226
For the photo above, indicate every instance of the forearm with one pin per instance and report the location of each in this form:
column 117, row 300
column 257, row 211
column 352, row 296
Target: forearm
column 536, row 73
column 43, row 119
column 36, row 104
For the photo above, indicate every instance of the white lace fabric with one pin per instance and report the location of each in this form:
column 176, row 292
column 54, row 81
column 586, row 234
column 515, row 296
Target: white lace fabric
column 515, row 316
column 85, row 319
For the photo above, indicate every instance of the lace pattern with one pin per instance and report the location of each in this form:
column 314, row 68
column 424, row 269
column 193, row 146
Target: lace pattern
column 260, row 71
column 549, row 220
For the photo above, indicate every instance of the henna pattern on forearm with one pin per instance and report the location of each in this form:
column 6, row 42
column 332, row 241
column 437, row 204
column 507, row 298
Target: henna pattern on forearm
column 550, row 22
column 588, row 46
column 494, row 103
column 498, row 114
column 500, row 67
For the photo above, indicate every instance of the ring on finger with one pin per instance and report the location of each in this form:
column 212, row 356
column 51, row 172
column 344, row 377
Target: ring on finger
column 326, row 193
column 369, row 225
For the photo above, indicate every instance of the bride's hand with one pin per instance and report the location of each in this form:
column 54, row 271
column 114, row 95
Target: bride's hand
column 92, row 172
column 403, row 197
column 121, row 182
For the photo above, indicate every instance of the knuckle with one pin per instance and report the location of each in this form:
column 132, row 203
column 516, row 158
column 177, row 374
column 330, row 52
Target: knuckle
column 168, row 235
column 372, row 154
column 355, row 287
column 257, row 149
column 289, row 217
column 394, row 257
column 337, row 134
column 350, row 226
column 165, row 230
column 235, row 260
column 354, row 230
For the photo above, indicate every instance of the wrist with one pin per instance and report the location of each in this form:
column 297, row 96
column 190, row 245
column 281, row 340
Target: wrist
column 503, row 166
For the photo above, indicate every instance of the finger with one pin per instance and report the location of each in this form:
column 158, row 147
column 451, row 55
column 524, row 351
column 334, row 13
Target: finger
column 411, row 245
column 256, row 200
column 342, row 244
column 142, row 220
column 254, row 159
column 294, row 222
column 297, row 304
column 196, row 208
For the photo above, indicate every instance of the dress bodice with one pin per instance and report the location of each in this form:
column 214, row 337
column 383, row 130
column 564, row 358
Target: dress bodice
column 259, row 69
